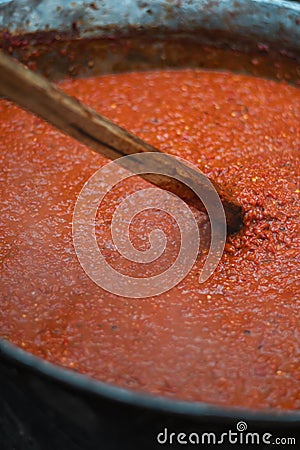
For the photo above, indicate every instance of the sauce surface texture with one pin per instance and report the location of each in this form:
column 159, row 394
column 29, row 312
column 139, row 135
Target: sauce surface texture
column 234, row 340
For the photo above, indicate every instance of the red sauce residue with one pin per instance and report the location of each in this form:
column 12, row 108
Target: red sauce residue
column 234, row 340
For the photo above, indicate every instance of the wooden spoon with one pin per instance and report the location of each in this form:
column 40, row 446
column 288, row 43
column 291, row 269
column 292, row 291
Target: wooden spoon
column 36, row 94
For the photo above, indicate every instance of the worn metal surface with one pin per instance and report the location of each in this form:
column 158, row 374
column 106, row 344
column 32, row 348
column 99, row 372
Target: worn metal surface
column 272, row 20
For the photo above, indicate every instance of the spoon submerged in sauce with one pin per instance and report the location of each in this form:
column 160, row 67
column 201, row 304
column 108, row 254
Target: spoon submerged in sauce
column 41, row 97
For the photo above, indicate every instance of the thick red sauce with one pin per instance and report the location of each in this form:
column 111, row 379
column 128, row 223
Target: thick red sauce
column 234, row 340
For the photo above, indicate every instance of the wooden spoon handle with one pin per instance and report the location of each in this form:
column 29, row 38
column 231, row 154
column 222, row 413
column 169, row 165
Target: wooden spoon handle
column 36, row 94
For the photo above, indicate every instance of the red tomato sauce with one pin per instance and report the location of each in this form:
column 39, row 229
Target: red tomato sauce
column 234, row 340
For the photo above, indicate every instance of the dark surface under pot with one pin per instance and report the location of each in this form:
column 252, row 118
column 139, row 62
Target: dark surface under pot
column 45, row 407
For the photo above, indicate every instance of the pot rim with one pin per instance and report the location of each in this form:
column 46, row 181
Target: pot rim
column 259, row 19
column 100, row 389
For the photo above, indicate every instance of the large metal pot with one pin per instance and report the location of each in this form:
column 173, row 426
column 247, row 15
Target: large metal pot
column 43, row 406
